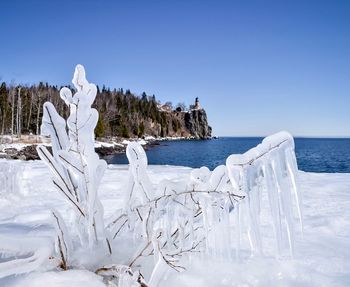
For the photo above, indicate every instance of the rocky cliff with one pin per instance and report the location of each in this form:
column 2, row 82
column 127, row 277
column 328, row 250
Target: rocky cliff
column 196, row 122
column 192, row 123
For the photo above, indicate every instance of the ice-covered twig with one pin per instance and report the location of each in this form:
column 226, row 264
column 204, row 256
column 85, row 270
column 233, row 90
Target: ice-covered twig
column 203, row 209
column 270, row 166
column 121, row 275
column 64, row 246
column 76, row 168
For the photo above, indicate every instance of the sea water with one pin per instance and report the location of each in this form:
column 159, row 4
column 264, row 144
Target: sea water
column 313, row 154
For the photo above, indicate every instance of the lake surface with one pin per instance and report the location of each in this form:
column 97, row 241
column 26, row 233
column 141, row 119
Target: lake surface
column 313, row 154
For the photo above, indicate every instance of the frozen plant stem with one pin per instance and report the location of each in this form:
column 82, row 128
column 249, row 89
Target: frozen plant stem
column 75, row 166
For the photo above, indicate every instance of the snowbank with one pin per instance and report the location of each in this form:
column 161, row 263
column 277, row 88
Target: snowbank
column 321, row 255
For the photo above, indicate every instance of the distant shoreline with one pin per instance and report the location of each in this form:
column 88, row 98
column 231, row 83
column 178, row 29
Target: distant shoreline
column 24, row 148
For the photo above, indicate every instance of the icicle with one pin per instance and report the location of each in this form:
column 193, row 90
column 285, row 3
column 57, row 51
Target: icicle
column 238, row 230
column 274, row 204
column 286, row 202
column 292, row 170
column 226, row 231
column 160, row 269
column 140, row 186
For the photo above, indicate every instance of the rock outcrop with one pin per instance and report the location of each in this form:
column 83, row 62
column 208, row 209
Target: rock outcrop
column 190, row 124
column 196, row 122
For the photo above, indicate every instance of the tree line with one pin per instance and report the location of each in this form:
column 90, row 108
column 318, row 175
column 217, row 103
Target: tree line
column 121, row 113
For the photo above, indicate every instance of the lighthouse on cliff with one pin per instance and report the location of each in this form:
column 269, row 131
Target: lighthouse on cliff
column 197, row 105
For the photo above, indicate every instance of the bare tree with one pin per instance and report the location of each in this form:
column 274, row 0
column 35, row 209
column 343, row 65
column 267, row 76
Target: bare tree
column 12, row 111
column 182, row 106
column 30, row 109
column 19, row 113
column 38, row 113
column 169, row 104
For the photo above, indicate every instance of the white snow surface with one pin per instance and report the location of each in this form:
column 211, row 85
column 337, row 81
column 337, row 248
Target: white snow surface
column 322, row 253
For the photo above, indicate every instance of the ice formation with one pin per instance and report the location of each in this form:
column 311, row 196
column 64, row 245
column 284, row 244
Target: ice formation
column 76, row 168
column 76, row 173
column 10, row 173
column 23, row 249
column 270, row 167
column 31, row 253
column 211, row 212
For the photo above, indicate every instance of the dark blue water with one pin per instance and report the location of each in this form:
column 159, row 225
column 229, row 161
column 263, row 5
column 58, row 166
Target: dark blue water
column 315, row 155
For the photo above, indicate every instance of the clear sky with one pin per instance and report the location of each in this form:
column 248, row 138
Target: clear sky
column 257, row 66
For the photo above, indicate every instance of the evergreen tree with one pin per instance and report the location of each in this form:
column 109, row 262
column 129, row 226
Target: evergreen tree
column 99, row 130
column 141, row 130
column 3, row 106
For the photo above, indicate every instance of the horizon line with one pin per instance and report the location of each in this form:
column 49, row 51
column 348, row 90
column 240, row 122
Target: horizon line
column 297, row 136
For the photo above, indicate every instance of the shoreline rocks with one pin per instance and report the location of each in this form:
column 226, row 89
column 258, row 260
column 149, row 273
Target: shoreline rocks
column 29, row 152
column 22, row 150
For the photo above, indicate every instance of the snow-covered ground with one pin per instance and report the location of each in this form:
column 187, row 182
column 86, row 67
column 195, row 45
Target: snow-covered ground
column 322, row 256
column 19, row 145
column 7, row 142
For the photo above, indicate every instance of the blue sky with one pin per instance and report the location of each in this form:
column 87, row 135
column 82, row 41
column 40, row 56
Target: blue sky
column 257, row 66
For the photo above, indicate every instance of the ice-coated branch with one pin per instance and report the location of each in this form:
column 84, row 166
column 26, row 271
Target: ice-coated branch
column 75, row 167
column 121, row 275
column 63, row 242
column 139, row 189
column 270, row 166
column 141, row 253
column 205, row 212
